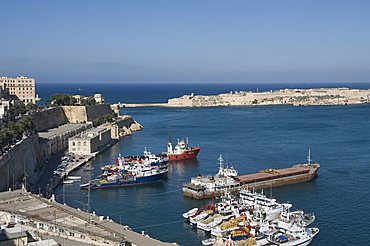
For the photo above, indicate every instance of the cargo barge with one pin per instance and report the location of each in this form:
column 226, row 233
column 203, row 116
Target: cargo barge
column 202, row 187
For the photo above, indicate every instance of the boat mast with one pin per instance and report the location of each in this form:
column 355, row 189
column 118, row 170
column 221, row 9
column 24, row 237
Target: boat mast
column 221, row 162
column 88, row 196
column 63, row 190
column 309, row 156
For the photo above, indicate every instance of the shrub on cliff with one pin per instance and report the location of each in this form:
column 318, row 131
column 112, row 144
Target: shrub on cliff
column 14, row 131
column 88, row 101
column 105, row 118
column 63, row 100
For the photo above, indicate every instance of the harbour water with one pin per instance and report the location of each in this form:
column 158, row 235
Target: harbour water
column 251, row 139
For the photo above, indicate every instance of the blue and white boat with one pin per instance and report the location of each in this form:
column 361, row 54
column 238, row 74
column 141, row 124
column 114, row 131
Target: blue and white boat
column 131, row 171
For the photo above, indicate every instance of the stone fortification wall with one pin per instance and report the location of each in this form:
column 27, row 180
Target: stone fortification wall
column 75, row 114
column 97, row 111
column 296, row 97
column 27, row 155
column 49, row 118
column 82, row 114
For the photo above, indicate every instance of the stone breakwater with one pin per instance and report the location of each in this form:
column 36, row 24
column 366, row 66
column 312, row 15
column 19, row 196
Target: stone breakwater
column 296, row 97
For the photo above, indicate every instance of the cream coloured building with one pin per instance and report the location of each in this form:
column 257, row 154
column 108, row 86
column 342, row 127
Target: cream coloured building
column 22, row 87
column 90, row 141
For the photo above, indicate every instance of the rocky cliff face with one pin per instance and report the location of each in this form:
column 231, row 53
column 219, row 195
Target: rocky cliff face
column 123, row 126
column 129, row 126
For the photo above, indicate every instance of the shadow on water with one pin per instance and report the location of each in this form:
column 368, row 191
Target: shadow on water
column 181, row 167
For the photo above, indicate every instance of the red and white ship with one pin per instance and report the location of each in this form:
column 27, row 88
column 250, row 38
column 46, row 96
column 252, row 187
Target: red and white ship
column 182, row 151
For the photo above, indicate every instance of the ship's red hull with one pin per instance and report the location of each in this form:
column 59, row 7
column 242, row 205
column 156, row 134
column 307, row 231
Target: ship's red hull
column 188, row 154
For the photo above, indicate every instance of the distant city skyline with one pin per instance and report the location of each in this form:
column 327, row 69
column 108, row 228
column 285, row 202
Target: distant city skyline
column 166, row 41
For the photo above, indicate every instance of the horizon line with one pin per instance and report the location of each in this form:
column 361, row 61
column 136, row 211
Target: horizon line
column 205, row 83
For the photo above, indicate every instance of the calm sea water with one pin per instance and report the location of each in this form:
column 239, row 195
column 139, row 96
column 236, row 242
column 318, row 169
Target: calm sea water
column 250, row 138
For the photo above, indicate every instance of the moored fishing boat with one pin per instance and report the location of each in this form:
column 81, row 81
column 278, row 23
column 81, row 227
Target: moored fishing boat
column 264, row 222
column 182, row 151
column 134, row 172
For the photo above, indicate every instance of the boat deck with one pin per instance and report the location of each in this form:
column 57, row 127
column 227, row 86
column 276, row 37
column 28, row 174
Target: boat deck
column 262, row 176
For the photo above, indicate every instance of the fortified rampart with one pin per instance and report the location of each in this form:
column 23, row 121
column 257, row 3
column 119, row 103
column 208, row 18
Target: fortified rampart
column 296, row 97
column 54, row 127
column 25, row 157
column 49, row 118
column 83, row 114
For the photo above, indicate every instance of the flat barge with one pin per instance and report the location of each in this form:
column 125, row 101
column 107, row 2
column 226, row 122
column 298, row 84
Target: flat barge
column 202, row 187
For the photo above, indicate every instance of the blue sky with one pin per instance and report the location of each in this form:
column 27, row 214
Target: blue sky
column 174, row 41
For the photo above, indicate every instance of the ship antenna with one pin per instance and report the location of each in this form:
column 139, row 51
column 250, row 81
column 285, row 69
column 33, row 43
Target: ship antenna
column 220, row 161
column 169, row 136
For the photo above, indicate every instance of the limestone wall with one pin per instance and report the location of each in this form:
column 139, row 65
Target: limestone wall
column 82, row 114
column 75, row 114
column 26, row 155
column 97, row 111
column 298, row 97
column 49, row 118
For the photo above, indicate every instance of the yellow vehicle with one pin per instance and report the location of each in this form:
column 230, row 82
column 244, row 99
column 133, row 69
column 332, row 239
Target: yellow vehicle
column 270, row 170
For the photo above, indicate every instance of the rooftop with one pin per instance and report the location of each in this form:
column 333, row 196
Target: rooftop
column 59, row 130
column 40, row 209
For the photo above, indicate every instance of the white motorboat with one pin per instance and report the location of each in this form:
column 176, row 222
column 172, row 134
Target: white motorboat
column 190, row 213
column 204, row 224
column 302, row 237
column 209, row 241
column 194, row 220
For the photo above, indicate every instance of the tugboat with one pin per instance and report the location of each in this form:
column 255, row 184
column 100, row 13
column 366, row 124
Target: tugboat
column 182, row 151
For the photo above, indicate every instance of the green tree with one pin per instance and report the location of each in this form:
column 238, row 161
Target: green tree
column 63, row 100
column 89, row 101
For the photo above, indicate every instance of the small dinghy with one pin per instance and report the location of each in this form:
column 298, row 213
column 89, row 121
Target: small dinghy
column 88, row 168
column 74, row 177
column 209, row 241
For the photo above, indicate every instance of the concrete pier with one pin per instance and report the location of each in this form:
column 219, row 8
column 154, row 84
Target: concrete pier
column 137, row 105
column 68, row 226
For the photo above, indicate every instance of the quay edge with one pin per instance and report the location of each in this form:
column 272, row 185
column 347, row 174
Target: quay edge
column 50, row 219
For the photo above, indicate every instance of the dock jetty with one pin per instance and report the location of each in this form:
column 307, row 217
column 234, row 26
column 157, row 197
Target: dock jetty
column 47, row 218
